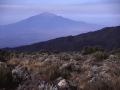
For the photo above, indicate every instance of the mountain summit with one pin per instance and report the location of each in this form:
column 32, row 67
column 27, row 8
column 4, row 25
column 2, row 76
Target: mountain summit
column 47, row 14
column 42, row 27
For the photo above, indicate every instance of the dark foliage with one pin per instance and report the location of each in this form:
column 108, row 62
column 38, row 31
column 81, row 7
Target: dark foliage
column 5, row 77
column 53, row 73
column 100, row 55
column 55, row 52
column 89, row 49
column 4, row 55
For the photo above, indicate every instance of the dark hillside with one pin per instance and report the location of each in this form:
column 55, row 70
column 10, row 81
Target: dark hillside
column 108, row 38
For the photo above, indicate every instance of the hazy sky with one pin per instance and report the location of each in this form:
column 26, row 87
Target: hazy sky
column 105, row 12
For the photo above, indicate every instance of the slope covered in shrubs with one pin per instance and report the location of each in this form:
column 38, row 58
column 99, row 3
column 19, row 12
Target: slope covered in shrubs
column 93, row 68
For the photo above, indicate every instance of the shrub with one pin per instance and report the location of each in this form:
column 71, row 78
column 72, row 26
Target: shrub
column 27, row 52
column 97, row 48
column 4, row 55
column 103, row 85
column 64, row 73
column 2, row 58
column 53, row 73
column 5, row 77
column 43, row 51
column 99, row 85
column 100, row 55
column 65, row 57
column 55, row 52
column 89, row 49
column 115, row 51
column 119, row 56
column 114, row 71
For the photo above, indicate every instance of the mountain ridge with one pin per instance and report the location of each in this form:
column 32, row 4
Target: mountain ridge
column 107, row 37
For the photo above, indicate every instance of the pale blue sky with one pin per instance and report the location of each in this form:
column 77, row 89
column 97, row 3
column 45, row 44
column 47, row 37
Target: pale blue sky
column 106, row 12
column 48, row 1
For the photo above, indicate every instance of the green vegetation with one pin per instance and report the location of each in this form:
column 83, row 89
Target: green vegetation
column 89, row 50
column 65, row 57
column 55, row 52
column 100, row 55
column 102, row 85
column 115, row 51
column 119, row 56
column 115, row 71
column 53, row 73
column 5, row 77
column 4, row 55
column 86, row 67
column 96, row 52
column 43, row 51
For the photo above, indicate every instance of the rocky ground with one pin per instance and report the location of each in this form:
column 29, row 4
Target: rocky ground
column 60, row 71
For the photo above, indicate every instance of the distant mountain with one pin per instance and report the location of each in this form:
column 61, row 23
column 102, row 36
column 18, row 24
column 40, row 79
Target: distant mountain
column 42, row 27
column 108, row 38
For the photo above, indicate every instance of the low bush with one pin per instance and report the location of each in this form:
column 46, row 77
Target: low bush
column 55, row 52
column 87, row 50
column 53, row 73
column 5, row 77
column 100, row 55
column 4, row 55
column 98, row 85
column 97, row 48
column 115, row 51
column 90, row 49
column 65, row 57
column 103, row 85
column 114, row 71
column 43, row 51
column 119, row 56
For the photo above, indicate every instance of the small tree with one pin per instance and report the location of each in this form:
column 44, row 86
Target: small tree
column 90, row 49
column 87, row 50
column 97, row 48
column 100, row 55
column 4, row 55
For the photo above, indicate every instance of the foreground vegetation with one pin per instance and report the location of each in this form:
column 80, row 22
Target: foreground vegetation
column 93, row 68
